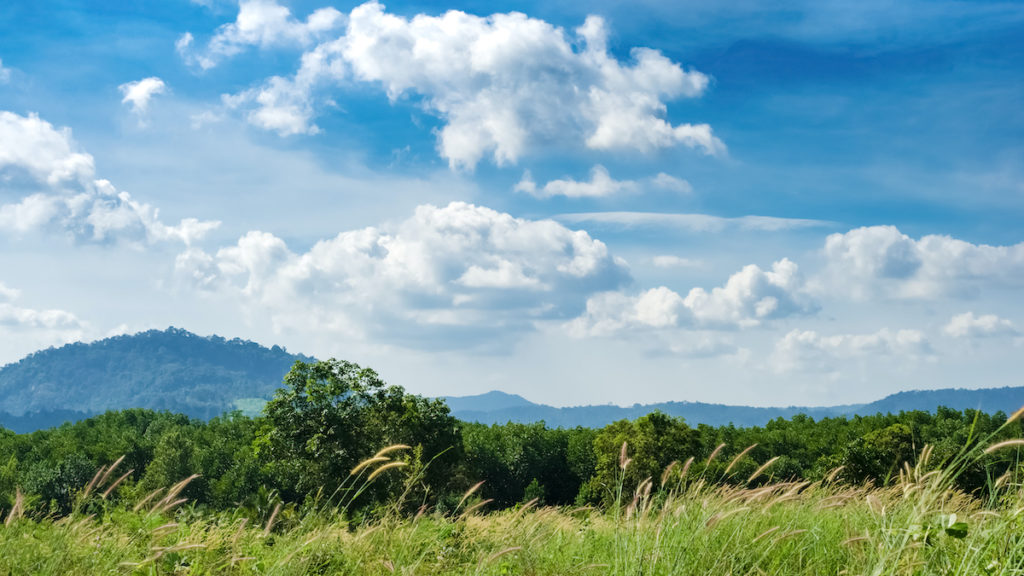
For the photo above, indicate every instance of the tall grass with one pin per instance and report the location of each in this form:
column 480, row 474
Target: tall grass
column 685, row 524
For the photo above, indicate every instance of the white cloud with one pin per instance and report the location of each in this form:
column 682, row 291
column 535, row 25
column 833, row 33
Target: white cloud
column 500, row 84
column 600, row 185
column 967, row 325
column 748, row 298
column 881, row 260
column 138, row 94
column 690, row 222
column 41, row 327
column 672, row 184
column 34, row 145
column 462, row 270
column 262, row 23
column 808, row 351
column 672, row 261
column 89, row 209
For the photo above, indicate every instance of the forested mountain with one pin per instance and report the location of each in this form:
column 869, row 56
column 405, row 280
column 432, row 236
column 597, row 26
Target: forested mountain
column 498, row 408
column 204, row 376
column 171, row 369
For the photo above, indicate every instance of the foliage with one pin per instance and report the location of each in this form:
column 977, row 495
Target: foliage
column 164, row 370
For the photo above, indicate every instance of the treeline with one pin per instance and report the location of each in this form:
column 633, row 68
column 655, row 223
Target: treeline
column 331, row 416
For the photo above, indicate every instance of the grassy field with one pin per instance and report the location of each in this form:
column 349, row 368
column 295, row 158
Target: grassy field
column 675, row 524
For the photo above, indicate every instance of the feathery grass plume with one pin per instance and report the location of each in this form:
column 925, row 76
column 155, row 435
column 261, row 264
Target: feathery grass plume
column 368, row 462
column 113, row 486
column 106, row 474
column 389, row 565
column 176, row 489
column 270, row 521
column 18, row 509
column 1016, row 415
column 522, row 509
column 238, row 533
column 92, row 483
column 390, row 449
column 420, row 512
column 668, row 470
column 719, row 516
column 148, row 497
column 1004, row 444
column 765, row 533
column 632, row 505
column 686, row 467
column 160, row 530
column 854, row 540
column 476, row 507
column 714, row 453
column 739, row 457
column 385, row 468
column 789, row 534
column 761, row 469
column 831, row 476
column 469, row 493
column 624, row 459
column 169, row 505
column 501, row 553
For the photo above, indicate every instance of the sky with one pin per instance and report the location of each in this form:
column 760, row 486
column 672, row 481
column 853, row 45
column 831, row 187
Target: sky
column 804, row 203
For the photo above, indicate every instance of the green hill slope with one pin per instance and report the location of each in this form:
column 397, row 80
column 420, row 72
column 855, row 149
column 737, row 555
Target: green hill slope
column 171, row 369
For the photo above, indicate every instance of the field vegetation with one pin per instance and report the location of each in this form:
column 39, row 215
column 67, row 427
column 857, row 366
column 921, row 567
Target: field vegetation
column 342, row 474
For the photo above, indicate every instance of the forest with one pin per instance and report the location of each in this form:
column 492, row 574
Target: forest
column 336, row 440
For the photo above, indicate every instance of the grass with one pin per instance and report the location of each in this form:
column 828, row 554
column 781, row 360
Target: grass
column 675, row 525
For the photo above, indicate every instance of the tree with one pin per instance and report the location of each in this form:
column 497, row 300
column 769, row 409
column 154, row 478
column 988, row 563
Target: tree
column 332, row 414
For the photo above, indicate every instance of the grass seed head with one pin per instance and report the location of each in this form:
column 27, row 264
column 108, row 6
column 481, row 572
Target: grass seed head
column 1004, row 444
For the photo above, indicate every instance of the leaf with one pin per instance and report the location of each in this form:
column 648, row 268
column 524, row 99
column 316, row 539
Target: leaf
column 957, row 530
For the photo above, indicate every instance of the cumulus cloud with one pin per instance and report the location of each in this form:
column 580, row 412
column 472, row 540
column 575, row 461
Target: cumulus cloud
column 138, row 94
column 45, row 153
column 881, row 260
column 459, row 270
column 672, row 261
column 46, row 327
column 809, row 351
column 601, row 184
column 74, row 201
column 285, row 105
column 262, row 23
column 690, row 222
column 749, row 298
column 967, row 325
column 672, row 184
column 499, row 83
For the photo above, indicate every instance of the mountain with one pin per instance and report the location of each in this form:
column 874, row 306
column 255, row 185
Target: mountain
column 204, row 376
column 493, row 401
column 171, row 369
column 498, row 408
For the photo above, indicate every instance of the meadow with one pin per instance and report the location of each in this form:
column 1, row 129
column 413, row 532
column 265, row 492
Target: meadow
column 305, row 488
column 675, row 524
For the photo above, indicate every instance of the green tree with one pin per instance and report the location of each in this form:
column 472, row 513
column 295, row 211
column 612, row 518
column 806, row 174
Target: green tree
column 330, row 415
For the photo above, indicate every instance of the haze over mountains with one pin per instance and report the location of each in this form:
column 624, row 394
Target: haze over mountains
column 204, row 376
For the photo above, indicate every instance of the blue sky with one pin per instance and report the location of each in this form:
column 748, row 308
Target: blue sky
column 808, row 203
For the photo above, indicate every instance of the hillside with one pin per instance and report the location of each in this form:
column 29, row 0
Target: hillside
column 204, row 376
column 498, row 408
column 171, row 369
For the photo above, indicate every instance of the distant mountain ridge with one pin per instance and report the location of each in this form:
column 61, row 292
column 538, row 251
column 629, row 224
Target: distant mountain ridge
column 205, row 376
column 489, row 409
column 173, row 369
